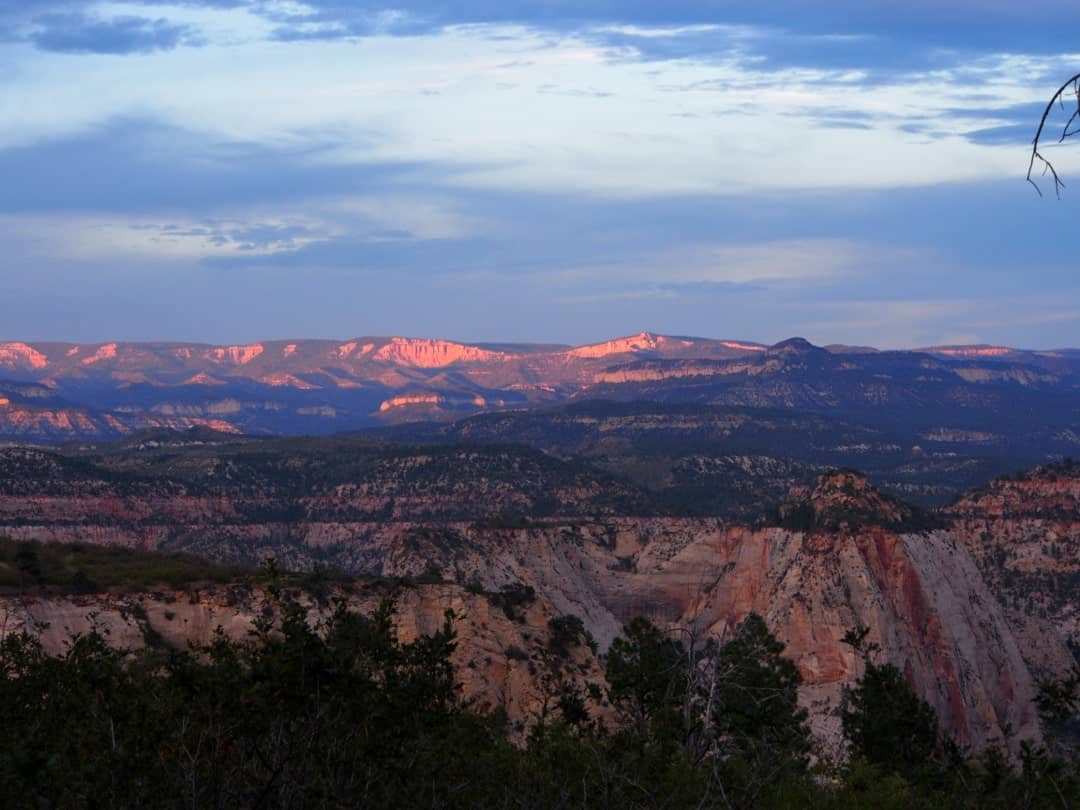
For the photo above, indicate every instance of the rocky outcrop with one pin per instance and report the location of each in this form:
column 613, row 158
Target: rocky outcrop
column 33, row 420
column 921, row 594
column 20, row 355
column 1024, row 533
column 841, row 501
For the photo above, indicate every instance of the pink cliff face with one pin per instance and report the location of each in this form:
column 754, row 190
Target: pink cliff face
column 236, row 355
column 202, row 378
column 973, row 351
column 746, row 347
column 21, row 355
column 424, row 353
column 645, row 341
column 106, row 352
column 466, row 376
column 410, row 399
column 353, row 350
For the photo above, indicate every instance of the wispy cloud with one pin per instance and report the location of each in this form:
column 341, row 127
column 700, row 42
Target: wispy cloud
column 101, row 237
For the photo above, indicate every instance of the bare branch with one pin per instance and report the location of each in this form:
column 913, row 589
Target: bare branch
column 1072, row 86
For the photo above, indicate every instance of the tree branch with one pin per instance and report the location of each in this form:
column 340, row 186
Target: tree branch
column 1072, row 84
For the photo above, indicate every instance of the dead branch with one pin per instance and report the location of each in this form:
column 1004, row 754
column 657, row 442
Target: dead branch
column 1071, row 87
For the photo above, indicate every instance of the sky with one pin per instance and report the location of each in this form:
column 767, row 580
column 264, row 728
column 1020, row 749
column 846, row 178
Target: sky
column 235, row 170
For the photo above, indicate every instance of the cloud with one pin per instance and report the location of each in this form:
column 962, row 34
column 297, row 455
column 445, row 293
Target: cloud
column 834, row 34
column 1008, row 134
column 145, row 165
column 313, row 23
column 79, row 33
column 86, row 237
column 835, row 14
column 890, row 268
column 547, row 171
column 599, row 120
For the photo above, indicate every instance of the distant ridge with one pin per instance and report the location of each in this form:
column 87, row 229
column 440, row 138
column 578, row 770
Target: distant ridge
column 54, row 391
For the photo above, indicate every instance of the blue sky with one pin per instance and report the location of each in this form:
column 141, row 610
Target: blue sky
column 233, row 170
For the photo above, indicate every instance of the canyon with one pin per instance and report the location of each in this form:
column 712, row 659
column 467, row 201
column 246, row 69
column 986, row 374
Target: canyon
column 975, row 602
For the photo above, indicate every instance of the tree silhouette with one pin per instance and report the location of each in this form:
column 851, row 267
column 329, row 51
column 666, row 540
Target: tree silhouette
column 1069, row 91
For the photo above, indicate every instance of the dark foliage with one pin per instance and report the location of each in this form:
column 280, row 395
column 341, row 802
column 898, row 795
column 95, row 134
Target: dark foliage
column 86, row 568
column 342, row 714
column 757, row 711
column 513, row 599
column 570, row 631
column 888, row 724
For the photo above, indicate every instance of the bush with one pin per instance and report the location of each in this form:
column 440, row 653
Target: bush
column 569, row 631
column 512, row 597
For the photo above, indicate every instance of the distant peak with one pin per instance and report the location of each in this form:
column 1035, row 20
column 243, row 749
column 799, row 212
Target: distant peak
column 793, row 344
column 795, row 347
column 1050, row 489
column 840, row 348
column 844, row 499
column 842, row 480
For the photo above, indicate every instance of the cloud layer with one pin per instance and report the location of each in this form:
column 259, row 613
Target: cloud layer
column 222, row 169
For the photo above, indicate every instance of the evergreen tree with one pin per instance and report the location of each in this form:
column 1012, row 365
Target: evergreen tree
column 647, row 677
column 887, row 724
column 757, row 706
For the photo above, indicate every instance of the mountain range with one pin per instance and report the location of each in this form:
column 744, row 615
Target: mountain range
column 715, row 423
column 61, row 391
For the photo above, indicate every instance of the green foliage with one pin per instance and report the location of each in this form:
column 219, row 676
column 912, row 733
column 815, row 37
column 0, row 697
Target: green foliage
column 341, row 713
column 1059, row 699
column 647, row 676
column 889, row 725
column 1058, row 702
column 432, row 575
column 513, row 598
column 294, row 716
column 569, row 631
column 756, row 711
column 26, row 561
column 86, row 568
